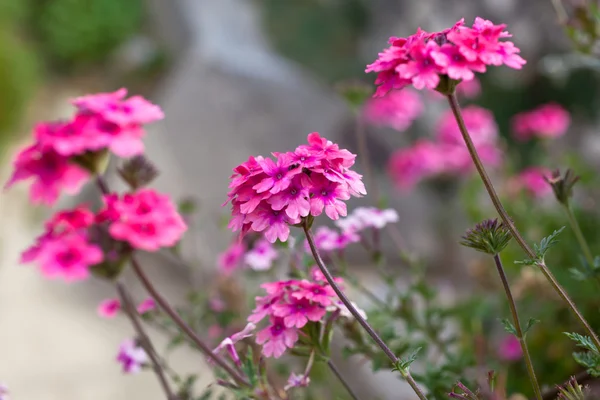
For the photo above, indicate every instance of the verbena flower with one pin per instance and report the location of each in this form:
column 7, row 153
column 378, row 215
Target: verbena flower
column 509, row 348
column 64, row 250
column 131, row 357
column 231, row 259
column 289, row 306
column 229, row 343
column 534, row 181
column 109, row 308
column 367, row 217
column 296, row 381
column 490, row 236
column 146, row 305
column 469, row 89
column 145, row 219
column 547, row 121
column 51, row 174
column 457, row 53
column 397, row 110
column 261, row 256
column 267, row 196
column 4, row 392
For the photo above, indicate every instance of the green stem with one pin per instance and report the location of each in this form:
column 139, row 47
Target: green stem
column 336, row 372
column 513, row 310
column 487, row 182
column 365, row 325
column 579, row 235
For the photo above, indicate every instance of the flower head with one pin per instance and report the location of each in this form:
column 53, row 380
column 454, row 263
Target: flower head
column 145, row 219
column 456, row 53
column 489, row 236
column 509, row 349
column 295, row 381
column 146, row 305
column 547, row 121
column 562, row 186
column 230, row 259
column 261, row 257
column 109, row 308
column 270, row 195
column 131, row 356
column 397, row 110
column 4, row 392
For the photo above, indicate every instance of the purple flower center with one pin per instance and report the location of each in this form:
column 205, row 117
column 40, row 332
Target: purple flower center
column 324, row 193
column 68, row 257
column 279, row 175
column 293, row 191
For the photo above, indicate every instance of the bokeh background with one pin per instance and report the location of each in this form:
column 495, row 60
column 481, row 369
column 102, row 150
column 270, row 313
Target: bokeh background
column 235, row 77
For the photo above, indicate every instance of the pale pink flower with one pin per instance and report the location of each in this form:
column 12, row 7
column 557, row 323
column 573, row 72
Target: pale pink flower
column 410, row 165
column 109, row 308
column 296, row 381
column 276, row 338
column 261, row 256
column 146, row 305
column 216, row 304
column 547, row 121
column 532, row 181
column 397, row 110
column 367, row 217
column 4, row 392
column 51, row 174
column 131, row 356
column 509, row 349
column 231, row 259
column 468, row 89
column 145, row 219
column 480, row 124
column 325, row 239
column 214, row 331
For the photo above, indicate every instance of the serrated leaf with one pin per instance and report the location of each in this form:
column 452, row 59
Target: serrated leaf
column 583, row 341
column 530, row 323
column 404, row 364
column 509, row 327
column 541, row 249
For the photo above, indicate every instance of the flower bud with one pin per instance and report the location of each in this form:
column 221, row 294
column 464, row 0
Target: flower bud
column 489, row 236
column 138, row 172
column 562, row 186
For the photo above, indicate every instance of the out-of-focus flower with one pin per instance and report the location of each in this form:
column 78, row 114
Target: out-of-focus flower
column 231, row 259
column 547, row 121
column 367, row 217
column 229, row 343
column 469, row 89
column 146, row 305
column 296, row 381
column 109, row 308
column 261, row 256
column 131, row 356
column 145, row 219
column 533, row 180
column 345, row 312
column 509, row 349
column 408, row 166
column 480, row 124
column 457, row 53
column 397, row 110
column 268, row 196
column 4, row 392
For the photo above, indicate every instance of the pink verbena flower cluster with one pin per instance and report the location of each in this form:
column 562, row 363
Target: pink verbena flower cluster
column 109, row 308
column 269, row 195
column 103, row 122
column 260, row 256
column 447, row 154
column 69, row 247
column 397, row 110
column 457, row 52
column 290, row 305
column 532, row 180
column 547, row 121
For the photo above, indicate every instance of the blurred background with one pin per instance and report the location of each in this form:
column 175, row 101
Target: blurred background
column 235, row 77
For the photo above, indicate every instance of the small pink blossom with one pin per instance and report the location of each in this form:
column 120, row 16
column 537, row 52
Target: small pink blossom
column 315, row 292
column 131, row 356
column 296, row 381
column 4, row 392
column 367, row 217
column 146, row 305
column 397, row 110
column 469, row 89
column 276, row 338
column 214, row 331
column 261, row 257
column 298, row 312
column 480, row 124
column 231, row 259
column 547, row 121
column 509, row 349
column 532, row 181
column 109, row 308
column 410, row 165
column 145, row 219
column 51, row 174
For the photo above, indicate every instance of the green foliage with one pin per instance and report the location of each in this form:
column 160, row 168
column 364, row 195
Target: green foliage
column 590, row 359
column 542, row 249
column 81, row 32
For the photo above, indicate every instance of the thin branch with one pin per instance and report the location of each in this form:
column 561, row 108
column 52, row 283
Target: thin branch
column 343, row 381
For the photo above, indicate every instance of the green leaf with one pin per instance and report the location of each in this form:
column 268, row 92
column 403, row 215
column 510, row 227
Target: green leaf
column 583, row 341
column 509, row 327
column 404, row 364
column 530, row 323
column 541, row 250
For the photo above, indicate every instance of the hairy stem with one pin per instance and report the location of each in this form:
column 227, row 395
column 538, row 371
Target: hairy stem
column 343, row 381
column 453, row 101
column 515, row 317
column 579, row 235
column 166, row 307
column 356, row 314
column 144, row 340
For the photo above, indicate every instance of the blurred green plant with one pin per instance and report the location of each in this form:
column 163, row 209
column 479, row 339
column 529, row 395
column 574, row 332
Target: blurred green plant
column 77, row 33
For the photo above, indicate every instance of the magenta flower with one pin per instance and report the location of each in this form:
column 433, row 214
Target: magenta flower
column 397, row 110
column 267, row 196
column 325, row 239
column 145, row 219
column 131, row 356
column 146, row 305
column 469, row 89
column 532, row 181
column 509, row 349
column 276, row 338
column 109, row 308
column 229, row 343
column 408, row 166
column 547, row 121
column 458, row 52
column 230, row 260
column 261, row 257
column 64, row 250
column 298, row 312
column 480, row 123
column 51, row 174
column 315, row 292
